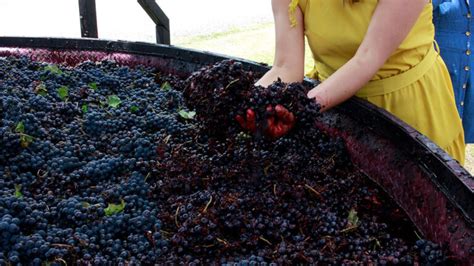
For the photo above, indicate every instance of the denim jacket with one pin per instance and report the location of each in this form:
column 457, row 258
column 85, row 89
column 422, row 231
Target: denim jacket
column 453, row 26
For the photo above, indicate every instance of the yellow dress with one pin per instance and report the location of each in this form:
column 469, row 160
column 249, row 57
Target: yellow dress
column 413, row 84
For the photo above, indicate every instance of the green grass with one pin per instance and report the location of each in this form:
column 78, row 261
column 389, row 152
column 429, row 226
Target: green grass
column 256, row 43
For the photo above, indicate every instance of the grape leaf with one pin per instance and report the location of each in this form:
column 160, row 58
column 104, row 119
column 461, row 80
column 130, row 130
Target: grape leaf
column 93, row 85
column 166, row 86
column 25, row 140
column 85, row 108
column 352, row 218
column 20, row 127
column 63, row 93
column 114, row 208
column 18, row 193
column 113, row 101
column 187, row 115
column 134, row 108
column 40, row 89
column 53, row 69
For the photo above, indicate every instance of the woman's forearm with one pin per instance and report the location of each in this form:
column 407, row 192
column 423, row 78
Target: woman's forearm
column 289, row 45
column 345, row 82
column 285, row 73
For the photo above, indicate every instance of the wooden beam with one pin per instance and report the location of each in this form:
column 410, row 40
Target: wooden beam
column 162, row 35
column 88, row 17
column 159, row 18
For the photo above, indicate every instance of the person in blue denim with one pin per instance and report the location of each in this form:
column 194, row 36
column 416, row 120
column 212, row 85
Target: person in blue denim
column 453, row 25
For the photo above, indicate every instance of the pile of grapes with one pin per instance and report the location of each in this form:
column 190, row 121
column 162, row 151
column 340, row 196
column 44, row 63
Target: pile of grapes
column 107, row 164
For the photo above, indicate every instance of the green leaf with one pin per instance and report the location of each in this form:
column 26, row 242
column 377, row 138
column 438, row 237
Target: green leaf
column 113, row 101
column 63, row 93
column 93, row 85
column 352, row 218
column 187, row 115
column 85, row 108
column 53, row 69
column 18, row 193
column 25, row 140
column 134, row 108
column 114, row 208
column 41, row 89
column 166, row 86
column 20, row 127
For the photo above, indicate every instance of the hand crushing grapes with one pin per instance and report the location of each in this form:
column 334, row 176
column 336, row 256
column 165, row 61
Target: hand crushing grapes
column 278, row 121
column 226, row 101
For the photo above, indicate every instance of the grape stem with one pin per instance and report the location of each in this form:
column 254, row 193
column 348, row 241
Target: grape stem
column 265, row 240
column 207, row 205
column 176, row 217
column 350, row 228
column 222, row 241
column 230, row 83
column 61, row 261
column 41, row 173
column 313, row 190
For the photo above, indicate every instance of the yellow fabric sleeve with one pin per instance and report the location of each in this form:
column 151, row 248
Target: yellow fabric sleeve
column 291, row 12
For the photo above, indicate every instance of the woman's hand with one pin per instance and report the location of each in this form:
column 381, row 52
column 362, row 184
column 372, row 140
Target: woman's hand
column 287, row 66
column 278, row 121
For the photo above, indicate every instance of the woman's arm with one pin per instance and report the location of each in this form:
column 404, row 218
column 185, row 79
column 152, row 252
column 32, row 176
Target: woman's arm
column 289, row 46
column 390, row 24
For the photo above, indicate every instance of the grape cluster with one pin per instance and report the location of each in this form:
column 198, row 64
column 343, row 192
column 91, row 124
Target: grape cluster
column 77, row 149
column 107, row 164
column 220, row 90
